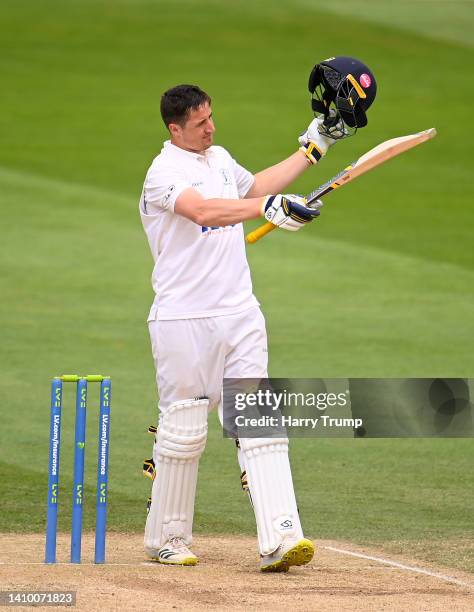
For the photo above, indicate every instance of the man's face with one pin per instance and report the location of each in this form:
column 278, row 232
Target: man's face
column 197, row 133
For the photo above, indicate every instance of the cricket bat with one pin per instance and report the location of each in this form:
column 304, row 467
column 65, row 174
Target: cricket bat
column 373, row 158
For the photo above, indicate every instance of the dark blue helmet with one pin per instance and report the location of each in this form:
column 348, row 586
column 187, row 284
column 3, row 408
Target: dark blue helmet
column 345, row 84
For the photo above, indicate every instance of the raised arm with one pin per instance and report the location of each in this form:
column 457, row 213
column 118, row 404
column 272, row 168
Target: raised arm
column 276, row 178
column 313, row 146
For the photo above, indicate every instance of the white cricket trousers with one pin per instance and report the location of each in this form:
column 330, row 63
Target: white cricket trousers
column 192, row 356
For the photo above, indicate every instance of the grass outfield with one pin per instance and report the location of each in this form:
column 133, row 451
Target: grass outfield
column 382, row 285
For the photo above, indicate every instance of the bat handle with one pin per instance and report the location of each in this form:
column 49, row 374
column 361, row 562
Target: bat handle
column 260, row 232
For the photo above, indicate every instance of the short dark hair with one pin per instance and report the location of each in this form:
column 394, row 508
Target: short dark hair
column 177, row 102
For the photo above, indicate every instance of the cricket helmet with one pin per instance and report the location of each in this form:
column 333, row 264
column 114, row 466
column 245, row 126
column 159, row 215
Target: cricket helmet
column 344, row 84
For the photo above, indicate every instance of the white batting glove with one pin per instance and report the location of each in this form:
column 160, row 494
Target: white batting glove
column 289, row 211
column 315, row 144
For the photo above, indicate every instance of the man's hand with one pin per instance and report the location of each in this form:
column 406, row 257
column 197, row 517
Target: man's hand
column 315, row 142
column 289, row 211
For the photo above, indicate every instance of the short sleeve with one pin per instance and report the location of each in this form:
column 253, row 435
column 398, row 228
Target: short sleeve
column 244, row 179
column 162, row 188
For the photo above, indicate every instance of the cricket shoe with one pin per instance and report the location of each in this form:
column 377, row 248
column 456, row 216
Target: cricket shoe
column 290, row 552
column 175, row 552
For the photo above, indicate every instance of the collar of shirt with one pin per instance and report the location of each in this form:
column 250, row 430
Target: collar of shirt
column 173, row 149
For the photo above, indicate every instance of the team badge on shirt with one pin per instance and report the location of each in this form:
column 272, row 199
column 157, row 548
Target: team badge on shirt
column 225, row 176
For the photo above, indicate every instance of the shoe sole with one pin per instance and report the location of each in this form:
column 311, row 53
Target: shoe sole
column 187, row 561
column 301, row 553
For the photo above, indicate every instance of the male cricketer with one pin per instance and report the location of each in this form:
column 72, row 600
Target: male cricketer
column 205, row 323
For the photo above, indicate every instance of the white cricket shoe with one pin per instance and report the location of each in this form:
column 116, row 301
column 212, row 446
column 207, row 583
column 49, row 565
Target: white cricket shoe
column 290, row 552
column 175, row 552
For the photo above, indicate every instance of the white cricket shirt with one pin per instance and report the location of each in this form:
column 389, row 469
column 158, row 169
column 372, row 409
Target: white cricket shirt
column 198, row 271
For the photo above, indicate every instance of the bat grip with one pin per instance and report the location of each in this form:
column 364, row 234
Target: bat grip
column 260, row 232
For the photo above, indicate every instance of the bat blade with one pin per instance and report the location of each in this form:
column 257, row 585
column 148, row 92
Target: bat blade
column 370, row 160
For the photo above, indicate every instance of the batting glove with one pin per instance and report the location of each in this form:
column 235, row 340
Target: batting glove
column 289, row 211
column 315, row 142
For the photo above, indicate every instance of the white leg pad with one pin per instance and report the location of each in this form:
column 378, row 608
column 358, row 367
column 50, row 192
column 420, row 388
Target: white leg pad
column 271, row 488
column 180, row 442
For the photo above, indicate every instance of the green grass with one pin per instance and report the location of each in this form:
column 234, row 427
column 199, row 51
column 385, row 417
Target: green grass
column 382, row 285
column 448, row 20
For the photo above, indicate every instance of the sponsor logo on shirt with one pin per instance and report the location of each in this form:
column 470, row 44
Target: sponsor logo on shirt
column 216, row 230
